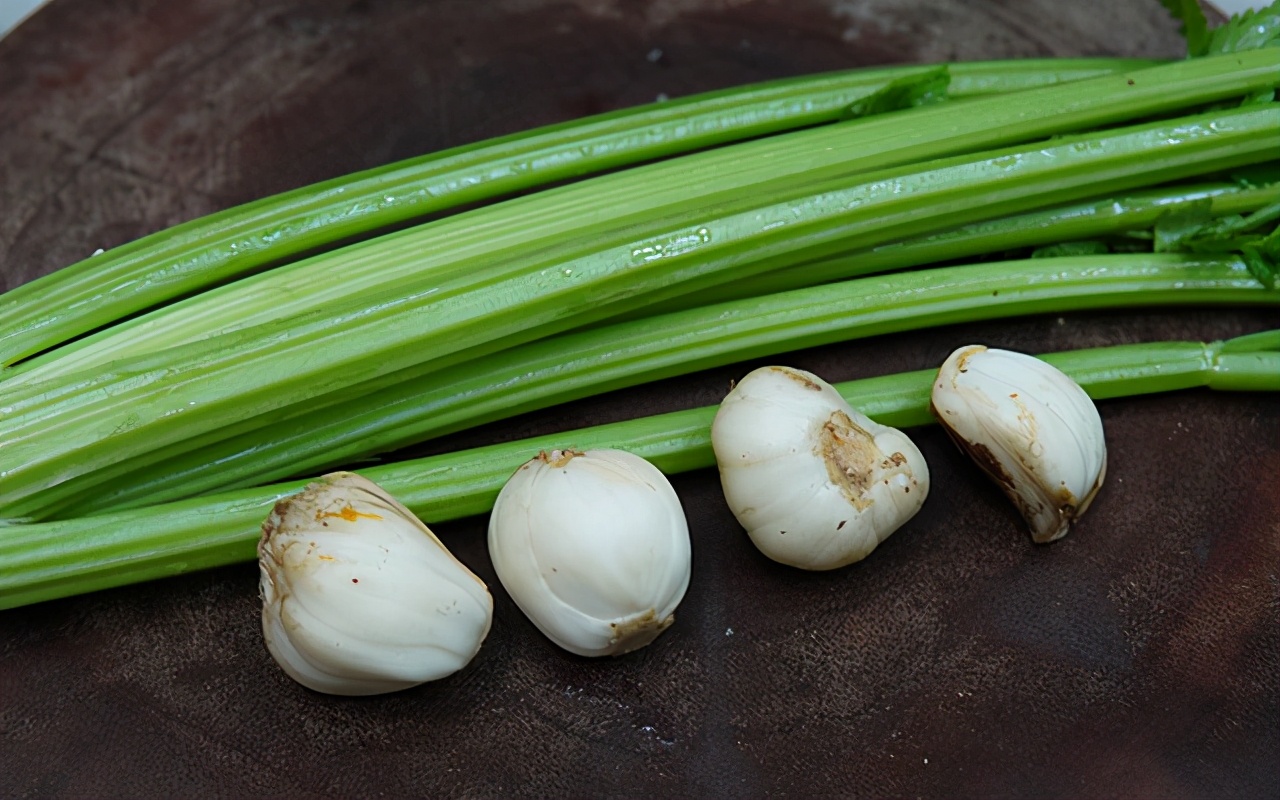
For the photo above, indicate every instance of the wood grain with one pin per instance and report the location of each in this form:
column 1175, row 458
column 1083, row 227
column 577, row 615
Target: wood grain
column 1136, row 658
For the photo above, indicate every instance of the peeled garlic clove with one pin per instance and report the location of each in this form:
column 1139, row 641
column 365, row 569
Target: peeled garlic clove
column 593, row 547
column 1031, row 428
column 359, row 597
column 816, row 484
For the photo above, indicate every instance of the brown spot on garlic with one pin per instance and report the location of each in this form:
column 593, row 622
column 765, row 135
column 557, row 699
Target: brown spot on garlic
column 557, row 458
column 895, row 460
column 346, row 513
column 1067, row 501
column 638, row 631
column 988, row 463
column 850, row 454
column 799, row 377
column 962, row 359
column 985, row 459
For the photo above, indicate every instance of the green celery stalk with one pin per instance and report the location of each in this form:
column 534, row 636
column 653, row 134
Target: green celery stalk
column 214, row 249
column 979, row 78
column 1134, row 212
column 61, row 439
column 48, row 560
column 561, row 224
column 575, row 365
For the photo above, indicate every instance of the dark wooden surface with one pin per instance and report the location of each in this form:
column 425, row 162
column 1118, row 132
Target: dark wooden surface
column 1137, row 658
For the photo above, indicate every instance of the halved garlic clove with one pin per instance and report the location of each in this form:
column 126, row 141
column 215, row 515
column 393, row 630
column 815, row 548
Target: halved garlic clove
column 1031, row 428
column 816, row 484
column 359, row 597
column 593, row 547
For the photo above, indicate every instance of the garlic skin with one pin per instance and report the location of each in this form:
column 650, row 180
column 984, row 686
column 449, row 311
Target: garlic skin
column 817, row 484
column 359, row 597
column 1031, row 428
column 593, row 547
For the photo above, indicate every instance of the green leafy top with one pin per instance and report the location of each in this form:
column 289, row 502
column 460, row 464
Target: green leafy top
column 1256, row 237
column 1251, row 30
column 1195, row 28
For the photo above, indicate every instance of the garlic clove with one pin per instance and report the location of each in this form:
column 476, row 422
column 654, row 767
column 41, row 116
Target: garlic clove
column 1031, row 428
column 593, row 547
column 359, row 597
column 816, row 484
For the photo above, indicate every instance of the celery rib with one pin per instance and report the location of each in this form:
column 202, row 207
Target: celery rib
column 977, row 78
column 579, row 364
column 561, row 223
column 60, row 441
column 48, row 560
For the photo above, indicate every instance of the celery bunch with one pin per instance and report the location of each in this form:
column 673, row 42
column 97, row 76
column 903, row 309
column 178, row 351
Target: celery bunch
column 753, row 233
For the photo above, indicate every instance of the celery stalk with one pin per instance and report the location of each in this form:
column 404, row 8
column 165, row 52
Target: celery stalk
column 582, row 363
column 57, row 559
column 978, row 78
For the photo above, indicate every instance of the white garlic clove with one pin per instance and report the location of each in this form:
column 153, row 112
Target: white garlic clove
column 816, row 484
column 1031, row 428
column 593, row 547
column 359, row 597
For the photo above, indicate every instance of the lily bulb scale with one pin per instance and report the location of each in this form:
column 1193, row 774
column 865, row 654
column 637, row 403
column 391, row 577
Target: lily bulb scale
column 593, row 547
column 359, row 597
column 1031, row 428
column 817, row 484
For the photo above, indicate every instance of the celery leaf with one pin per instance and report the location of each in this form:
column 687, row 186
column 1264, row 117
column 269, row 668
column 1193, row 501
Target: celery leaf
column 1177, row 227
column 1251, row 30
column 1263, row 260
column 906, row 92
column 1195, row 28
column 1255, row 237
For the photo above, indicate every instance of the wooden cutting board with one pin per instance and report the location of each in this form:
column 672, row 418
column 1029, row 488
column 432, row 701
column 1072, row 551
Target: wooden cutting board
column 1137, row 657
